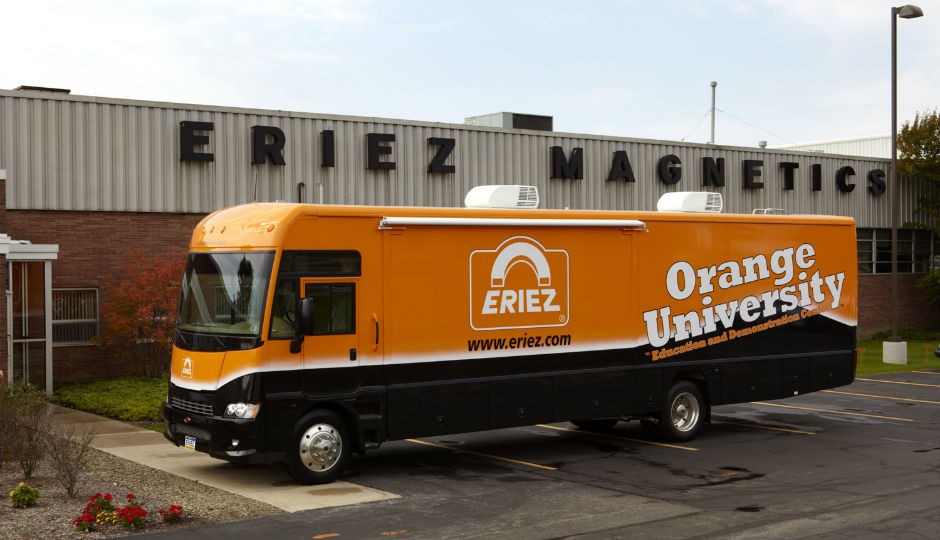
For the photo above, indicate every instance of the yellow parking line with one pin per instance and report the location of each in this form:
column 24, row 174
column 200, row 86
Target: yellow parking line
column 489, row 456
column 616, row 437
column 770, row 428
column 883, row 397
column 900, row 382
column 927, row 372
column 831, row 411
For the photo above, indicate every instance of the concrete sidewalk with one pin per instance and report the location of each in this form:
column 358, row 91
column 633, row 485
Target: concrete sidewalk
column 269, row 484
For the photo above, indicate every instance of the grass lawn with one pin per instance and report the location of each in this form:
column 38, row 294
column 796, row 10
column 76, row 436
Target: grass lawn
column 920, row 355
column 131, row 399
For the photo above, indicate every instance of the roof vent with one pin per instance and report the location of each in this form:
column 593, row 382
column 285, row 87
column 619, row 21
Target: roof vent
column 690, row 201
column 28, row 88
column 502, row 197
column 769, row 211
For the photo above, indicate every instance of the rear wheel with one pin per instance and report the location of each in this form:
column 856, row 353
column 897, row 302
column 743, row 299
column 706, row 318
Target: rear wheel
column 684, row 414
column 596, row 424
column 320, row 448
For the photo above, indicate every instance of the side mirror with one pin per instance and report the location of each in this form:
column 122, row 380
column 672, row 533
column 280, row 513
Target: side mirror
column 303, row 323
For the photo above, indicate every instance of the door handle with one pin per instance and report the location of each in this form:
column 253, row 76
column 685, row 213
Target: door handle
column 352, row 354
column 375, row 344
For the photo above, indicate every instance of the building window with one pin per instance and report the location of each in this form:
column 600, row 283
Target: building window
column 918, row 251
column 74, row 316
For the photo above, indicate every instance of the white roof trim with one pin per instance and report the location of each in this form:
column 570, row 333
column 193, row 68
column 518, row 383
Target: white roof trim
column 21, row 250
column 388, row 222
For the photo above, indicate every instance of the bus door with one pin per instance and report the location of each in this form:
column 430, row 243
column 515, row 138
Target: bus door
column 331, row 353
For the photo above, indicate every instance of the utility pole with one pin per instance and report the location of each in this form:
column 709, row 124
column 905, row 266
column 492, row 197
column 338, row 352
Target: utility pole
column 712, row 140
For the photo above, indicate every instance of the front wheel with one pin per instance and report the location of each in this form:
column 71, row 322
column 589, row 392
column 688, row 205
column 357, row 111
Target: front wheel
column 682, row 418
column 320, row 449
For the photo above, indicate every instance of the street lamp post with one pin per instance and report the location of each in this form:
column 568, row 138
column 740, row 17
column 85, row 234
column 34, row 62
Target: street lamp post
column 895, row 350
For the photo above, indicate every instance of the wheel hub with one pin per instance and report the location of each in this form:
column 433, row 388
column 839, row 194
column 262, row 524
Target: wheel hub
column 320, row 447
column 685, row 412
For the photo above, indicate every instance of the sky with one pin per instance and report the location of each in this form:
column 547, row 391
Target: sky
column 788, row 71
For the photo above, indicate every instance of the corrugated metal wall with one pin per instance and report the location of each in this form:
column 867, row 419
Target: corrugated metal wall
column 65, row 152
column 878, row 147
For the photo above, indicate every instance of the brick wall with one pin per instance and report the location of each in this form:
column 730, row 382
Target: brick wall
column 91, row 246
column 874, row 305
column 4, row 285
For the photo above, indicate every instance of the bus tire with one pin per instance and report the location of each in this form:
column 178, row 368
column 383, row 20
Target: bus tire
column 320, row 448
column 684, row 413
column 596, row 424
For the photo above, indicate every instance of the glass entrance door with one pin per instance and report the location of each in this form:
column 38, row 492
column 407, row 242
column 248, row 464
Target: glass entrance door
column 28, row 320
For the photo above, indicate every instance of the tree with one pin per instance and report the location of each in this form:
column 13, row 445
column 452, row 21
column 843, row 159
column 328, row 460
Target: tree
column 139, row 314
column 919, row 157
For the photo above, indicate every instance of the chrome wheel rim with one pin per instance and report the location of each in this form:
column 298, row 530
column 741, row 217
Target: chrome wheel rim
column 684, row 412
column 320, row 447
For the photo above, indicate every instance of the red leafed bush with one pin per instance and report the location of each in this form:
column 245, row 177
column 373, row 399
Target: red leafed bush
column 139, row 312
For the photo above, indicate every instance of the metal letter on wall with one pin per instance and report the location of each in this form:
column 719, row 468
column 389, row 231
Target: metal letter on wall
column 376, row 149
column 327, row 148
column 816, row 176
column 620, row 168
column 788, row 168
column 751, row 173
column 189, row 141
column 444, row 148
column 842, row 181
column 669, row 169
column 261, row 149
column 876, row 181
column 713, row 173
column 565, row 169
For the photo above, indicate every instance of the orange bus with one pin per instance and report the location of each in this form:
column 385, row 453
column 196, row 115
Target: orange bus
column 307, row 333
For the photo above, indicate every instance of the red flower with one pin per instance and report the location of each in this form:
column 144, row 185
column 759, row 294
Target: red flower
column 131, row 496
column 107, row 496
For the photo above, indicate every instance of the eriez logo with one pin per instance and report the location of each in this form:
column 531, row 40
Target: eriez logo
column 778, row 295
column 187, row 370
column 520, row 284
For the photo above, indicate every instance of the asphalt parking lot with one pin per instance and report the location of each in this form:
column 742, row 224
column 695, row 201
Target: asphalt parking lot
column 861, row 461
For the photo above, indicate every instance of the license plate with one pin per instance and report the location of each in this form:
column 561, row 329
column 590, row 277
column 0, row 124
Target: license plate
column 189, row 443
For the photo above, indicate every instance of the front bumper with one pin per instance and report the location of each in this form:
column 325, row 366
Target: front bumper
column 232, row 439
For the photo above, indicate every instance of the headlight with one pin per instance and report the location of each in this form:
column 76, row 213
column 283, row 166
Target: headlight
column 242, row 410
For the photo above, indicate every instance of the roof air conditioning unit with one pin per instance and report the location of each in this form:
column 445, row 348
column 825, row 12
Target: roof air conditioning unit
column 502, row 197
column 690, row 201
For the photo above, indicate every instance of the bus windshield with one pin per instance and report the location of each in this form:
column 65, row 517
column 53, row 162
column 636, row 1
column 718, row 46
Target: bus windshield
column 223, row 297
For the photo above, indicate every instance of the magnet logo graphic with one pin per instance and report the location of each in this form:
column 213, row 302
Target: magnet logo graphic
column 520, row 284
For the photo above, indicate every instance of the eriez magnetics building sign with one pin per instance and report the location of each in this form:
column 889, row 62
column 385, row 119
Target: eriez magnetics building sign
column 268, row 142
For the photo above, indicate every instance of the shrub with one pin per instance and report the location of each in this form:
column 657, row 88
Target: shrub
column 24, row 495
column 930, row 285
column 172, row 515
column 139, row 317
column 132, row 514
column 26, row 426
column 68, row 449
column 98, row 509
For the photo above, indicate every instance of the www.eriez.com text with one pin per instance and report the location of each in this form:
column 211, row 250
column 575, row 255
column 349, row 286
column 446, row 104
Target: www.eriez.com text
column 815, row 292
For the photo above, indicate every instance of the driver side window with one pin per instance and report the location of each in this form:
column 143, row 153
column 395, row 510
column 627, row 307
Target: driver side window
column 334, row 307
column 283, row 312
